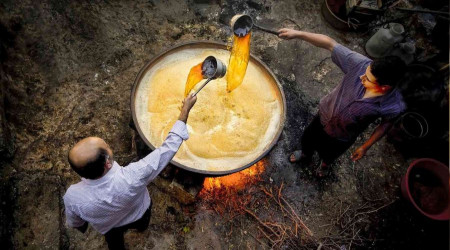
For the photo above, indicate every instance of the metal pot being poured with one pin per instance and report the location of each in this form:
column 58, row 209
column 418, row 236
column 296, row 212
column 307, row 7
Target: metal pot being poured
column 228, row 131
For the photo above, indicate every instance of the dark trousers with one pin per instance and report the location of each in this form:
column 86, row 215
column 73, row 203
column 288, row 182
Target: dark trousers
column 114, row 237
column 316, row 139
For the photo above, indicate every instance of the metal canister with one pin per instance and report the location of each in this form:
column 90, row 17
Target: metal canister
column 383, row 41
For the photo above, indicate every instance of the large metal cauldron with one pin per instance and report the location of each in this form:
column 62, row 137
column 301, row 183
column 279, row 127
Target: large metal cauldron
column 156, row 98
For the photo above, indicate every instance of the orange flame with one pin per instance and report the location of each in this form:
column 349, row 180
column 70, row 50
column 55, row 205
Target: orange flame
column 236, row 181
column 194, row 77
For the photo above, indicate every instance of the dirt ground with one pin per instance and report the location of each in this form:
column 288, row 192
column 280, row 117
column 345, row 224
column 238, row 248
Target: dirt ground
column 69, row 67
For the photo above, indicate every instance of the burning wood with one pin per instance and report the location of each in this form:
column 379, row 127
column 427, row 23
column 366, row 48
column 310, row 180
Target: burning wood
column 239, row 195
column 236, row 181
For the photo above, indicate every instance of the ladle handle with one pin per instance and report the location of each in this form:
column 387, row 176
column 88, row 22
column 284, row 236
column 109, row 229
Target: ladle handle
column 203, row 85
column 266, row 30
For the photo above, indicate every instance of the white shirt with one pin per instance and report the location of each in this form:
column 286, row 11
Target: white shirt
column 120, row 196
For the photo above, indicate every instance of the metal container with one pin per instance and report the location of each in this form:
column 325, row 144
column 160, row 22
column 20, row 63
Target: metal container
column 383, row 41
column 242, row 24
column 219, row 68
column 212, row 68
column 357, row 21
column 142, row 94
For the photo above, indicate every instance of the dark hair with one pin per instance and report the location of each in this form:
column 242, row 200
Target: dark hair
column 388, row 70
column 94, row 168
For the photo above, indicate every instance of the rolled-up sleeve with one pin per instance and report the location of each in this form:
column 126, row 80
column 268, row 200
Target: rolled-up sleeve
column 394, row 107
column 145, row 170
column 347, row 59
column 393, row 113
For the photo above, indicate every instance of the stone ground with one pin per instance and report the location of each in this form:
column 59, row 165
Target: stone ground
column 68, row 73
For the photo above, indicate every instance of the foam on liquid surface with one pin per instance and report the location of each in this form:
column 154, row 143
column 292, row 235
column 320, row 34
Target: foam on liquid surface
column 227, row 130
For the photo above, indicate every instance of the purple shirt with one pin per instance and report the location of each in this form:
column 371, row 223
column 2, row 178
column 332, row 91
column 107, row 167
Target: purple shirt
column 343, row 112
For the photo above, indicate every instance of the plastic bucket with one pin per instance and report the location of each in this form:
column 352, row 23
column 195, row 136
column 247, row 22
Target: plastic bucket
column 426, row 186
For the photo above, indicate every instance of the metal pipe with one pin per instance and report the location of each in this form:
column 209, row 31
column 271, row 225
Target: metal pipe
column 424, row 11
column 266, row 30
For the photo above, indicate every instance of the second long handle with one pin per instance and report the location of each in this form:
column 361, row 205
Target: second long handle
column 201, row 87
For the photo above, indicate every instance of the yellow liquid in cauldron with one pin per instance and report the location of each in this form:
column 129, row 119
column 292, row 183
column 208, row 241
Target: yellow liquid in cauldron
column 237, row 65
column 226, row 130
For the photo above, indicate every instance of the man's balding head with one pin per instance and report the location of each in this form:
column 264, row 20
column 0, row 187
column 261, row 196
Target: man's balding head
column 89, row 157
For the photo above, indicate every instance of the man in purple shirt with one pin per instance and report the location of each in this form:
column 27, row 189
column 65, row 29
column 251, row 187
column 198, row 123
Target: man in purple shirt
column 366, row 92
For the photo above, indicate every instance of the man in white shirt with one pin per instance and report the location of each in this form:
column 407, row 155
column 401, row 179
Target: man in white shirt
column 113, row 198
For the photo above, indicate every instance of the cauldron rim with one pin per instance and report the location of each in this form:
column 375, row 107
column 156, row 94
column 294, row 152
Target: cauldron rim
column 206, row 44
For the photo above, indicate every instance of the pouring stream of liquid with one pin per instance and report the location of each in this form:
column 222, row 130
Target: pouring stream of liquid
column 194, row 77
column 237, row 66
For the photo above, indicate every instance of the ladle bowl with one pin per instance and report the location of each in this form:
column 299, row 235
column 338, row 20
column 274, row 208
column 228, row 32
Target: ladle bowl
column 242, row 24
column 213, row 68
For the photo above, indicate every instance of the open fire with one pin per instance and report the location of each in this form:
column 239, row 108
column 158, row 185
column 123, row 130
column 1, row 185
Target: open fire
column 245, row 194
column 228, row 195
column 236, row 181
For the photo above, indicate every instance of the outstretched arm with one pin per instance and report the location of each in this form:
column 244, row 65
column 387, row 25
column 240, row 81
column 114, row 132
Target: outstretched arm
column 188, row 103
column 318, row 40
column 146, row 169
column 377, row 134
